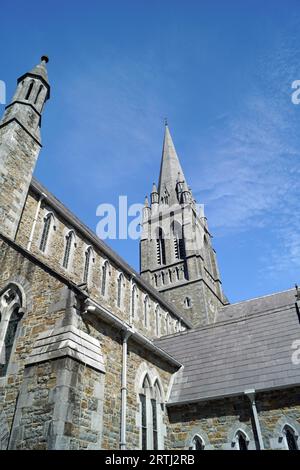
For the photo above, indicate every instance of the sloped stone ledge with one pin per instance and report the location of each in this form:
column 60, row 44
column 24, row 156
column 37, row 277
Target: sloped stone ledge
column 67, row 341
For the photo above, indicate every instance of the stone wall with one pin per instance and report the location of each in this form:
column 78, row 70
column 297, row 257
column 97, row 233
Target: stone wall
column 56, row 401
column 217, row 421
column 54, row 257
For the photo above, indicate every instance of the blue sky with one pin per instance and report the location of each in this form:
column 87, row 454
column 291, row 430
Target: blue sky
column 221, row 71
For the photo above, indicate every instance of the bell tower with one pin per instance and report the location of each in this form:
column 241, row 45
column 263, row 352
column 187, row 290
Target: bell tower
column 176, row 253
column 20, row 144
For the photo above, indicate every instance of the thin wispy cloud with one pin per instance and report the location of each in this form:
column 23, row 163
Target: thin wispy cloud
column 255, row 182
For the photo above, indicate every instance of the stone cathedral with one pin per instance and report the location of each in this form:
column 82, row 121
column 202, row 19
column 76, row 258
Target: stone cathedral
column 94, row 355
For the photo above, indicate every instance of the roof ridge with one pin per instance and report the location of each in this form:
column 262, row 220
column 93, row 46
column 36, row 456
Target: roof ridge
column 227, row 322
column 256, row 298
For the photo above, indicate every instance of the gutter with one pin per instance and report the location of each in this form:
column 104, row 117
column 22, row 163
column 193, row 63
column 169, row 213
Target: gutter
column 94, row 308
column 124, row 391
column 127, row 332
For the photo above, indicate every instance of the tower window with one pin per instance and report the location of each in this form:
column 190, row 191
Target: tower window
column 187, row 302
column 27, row 96
column 38, row 94
column 160, row 248
column 179, row 250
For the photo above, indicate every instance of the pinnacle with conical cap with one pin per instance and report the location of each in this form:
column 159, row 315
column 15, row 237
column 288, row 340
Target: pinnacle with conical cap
column 154, row 195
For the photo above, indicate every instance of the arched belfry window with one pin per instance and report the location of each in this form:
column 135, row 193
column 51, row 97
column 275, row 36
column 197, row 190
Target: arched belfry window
column 38, row 94
column 208, row 256
column 11, row 313
column 70, row 237
column 48, row 221
column 179, row 248
column 290, row 438
column 160, row 247
column 151, row 415
column 197, row 443
column 29, row 90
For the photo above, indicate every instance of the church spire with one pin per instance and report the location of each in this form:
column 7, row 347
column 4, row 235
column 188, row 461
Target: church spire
column 40, row 70
column 169, row 169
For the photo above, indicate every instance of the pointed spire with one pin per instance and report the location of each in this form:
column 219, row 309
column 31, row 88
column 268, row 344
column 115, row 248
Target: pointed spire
column 146, row 203
column 154, row 188
column 170, row 168
column 40, row 70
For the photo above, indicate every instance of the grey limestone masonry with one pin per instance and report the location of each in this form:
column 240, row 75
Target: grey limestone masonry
column 78, row 361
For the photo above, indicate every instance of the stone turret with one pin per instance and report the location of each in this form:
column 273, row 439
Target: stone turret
column 20, row 144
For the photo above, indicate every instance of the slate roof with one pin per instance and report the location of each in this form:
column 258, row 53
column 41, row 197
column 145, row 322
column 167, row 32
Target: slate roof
column 250, row 347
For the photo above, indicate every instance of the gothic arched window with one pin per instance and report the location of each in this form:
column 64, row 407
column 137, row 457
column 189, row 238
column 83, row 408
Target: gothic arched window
column 157, row 320
column 133, row 300
column 87, row 263
column 146, row 307
column 151, row 415
column 38, row 94
column 11, row 314
column 120, row 290
column 160, row 248
column 290, row 438
column 69, row 242
column 29, row 90
column 242, row 441
column 105, row 269
column 144, row 400
column 197, row 443
column 167, row 324
column 48, row 219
